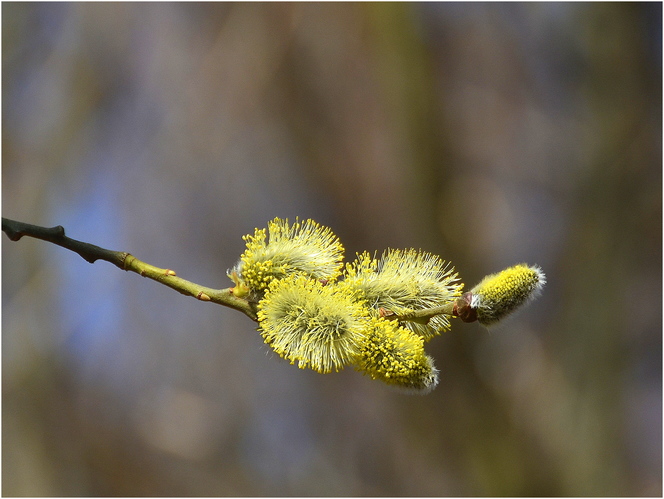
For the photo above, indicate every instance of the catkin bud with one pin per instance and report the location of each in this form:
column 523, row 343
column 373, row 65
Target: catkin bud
column 498, row 295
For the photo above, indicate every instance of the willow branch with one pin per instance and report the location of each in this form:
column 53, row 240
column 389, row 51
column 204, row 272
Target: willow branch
column 125, row 261
column 422, row 316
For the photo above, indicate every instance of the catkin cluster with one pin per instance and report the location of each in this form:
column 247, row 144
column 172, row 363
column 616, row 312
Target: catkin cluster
column 317, row 313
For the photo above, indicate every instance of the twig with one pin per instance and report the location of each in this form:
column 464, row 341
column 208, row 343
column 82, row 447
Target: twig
column 461, row 307
column 125, row 261
column 424, row 315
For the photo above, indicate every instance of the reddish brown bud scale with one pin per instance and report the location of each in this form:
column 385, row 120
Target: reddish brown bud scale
column 463, row 310
column 387, row 314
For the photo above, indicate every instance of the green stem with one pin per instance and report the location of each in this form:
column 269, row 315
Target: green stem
column 424, row 315
column 125, row 261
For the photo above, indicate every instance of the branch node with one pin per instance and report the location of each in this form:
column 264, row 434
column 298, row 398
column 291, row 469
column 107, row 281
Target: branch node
column 125, row 260
column 202, row 296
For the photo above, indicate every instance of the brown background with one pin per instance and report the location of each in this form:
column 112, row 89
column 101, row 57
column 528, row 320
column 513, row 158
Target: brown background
column 490, row 134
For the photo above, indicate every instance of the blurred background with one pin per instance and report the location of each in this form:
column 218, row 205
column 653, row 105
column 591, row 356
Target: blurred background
column 490, row 134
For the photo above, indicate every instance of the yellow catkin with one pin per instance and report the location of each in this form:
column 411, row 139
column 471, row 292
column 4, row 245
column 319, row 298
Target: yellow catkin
column 404, row 281
column 395, row 355
column 283, row 249
column 316, row 325
column 500, row 294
